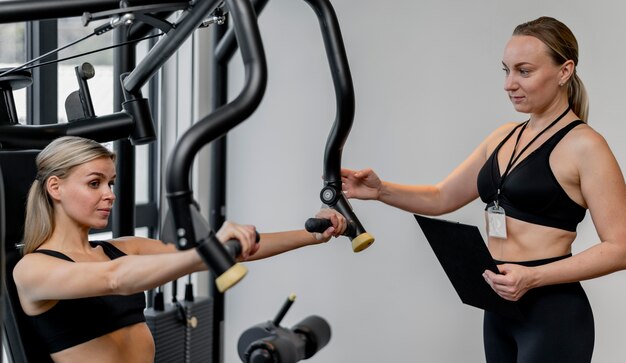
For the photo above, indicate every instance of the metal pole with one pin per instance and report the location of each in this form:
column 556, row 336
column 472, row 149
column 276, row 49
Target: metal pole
column 123, row 219
column 42, row 107
column 217, row 193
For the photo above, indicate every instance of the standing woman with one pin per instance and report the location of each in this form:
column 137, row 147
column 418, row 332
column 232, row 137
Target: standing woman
column 85, row 298
column 537, row 179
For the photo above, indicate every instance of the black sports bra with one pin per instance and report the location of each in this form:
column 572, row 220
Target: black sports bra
column 75, row 321
column 531, row 192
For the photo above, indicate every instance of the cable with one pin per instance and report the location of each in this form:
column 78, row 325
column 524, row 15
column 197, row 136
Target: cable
column 86, row 53
column 100, row 30
column 45, row 55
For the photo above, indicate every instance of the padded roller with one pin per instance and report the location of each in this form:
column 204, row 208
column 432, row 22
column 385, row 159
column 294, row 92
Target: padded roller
column 362, row 241
column 230, row 277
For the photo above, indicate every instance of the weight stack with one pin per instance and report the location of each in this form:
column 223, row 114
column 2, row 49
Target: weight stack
column 168, row 332
column 200, row 338
column 183, row 333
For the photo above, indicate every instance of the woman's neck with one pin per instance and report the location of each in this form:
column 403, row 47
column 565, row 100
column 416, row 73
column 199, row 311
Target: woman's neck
column 69, row 239
column 538, row 121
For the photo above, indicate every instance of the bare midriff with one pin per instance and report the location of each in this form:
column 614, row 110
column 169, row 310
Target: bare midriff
column 131, row 344
column 527, row 242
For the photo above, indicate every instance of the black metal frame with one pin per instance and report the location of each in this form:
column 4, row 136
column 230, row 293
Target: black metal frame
column 43, row 36
column 133, row 122
column 224, row 47
column 123, row 216
column 331, row 194
column 211, row 127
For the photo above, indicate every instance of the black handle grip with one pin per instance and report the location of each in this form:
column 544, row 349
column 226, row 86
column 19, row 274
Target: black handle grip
column 319, row 225
column 233, row 246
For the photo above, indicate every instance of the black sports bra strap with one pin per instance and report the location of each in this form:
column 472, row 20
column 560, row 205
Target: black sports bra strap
column 111, row 251
column 52, row 253
column 567, row 128
column 509, row 136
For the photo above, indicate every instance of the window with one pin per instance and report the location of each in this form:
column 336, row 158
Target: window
column 101, row 85
column 13, row 45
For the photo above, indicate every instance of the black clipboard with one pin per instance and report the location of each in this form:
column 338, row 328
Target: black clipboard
column 463, row 254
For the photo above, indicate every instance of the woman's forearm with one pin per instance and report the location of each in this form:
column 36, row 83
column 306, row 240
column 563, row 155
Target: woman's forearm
column 419, row 199
column 601, row 259
column 135, row 273
column 271, row 244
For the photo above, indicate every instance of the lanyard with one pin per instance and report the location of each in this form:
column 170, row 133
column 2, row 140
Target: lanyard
column 514, row 158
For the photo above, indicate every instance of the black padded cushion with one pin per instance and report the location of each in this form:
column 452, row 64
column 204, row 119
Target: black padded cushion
column 17, row 172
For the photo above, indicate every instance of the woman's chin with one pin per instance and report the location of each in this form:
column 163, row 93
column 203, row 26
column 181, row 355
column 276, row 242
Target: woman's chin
column 100, row 225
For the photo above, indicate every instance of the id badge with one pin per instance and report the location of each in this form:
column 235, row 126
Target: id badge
column 496, row 222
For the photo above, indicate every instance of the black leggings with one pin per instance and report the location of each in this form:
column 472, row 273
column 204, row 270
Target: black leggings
column 557, row 326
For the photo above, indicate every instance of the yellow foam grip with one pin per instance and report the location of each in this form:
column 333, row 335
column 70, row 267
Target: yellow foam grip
column 362, row 241
column 230, row 277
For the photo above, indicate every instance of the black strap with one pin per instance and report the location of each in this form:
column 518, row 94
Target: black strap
column 111, row 251
column 515, row 158
column 558, row 136
column 52, row 253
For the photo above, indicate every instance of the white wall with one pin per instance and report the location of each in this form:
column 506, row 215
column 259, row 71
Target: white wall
column 428, row 86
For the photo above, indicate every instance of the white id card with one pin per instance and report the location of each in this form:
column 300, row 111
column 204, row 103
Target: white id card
column 496, row 222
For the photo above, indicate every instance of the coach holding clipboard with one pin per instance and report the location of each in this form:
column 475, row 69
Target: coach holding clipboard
column 537, row 178
column 462, row 252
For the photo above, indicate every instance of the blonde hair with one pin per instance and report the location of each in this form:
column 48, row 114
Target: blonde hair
column 563, row 46
column 57, row 159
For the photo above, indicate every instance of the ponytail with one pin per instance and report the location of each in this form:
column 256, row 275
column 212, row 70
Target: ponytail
column 39, row 222
column 577, row 97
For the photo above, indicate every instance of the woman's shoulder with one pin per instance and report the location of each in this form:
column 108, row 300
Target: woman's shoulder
column 33, row 263
column 587, row 149
column 583, row 139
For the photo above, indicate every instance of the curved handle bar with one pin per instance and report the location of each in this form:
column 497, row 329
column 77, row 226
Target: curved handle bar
column 331, row 194
column 344, row 89
column 211, row 127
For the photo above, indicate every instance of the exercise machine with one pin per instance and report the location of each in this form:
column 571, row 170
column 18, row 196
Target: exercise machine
column 134, row 122
column 268, row 342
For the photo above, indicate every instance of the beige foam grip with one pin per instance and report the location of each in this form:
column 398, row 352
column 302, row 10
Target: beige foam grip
column 230, row 277
column 362, row 241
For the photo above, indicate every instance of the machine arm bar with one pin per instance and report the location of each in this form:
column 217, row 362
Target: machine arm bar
column 331, row 194
column 178, row 187
column 103, row 129
column 227, row 46
column 168, row 45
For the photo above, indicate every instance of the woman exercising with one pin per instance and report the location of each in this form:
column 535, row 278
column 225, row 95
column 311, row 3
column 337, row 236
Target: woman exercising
column 86, row 298
column 537, row 179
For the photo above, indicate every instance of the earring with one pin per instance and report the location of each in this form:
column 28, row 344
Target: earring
column 561, row 84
